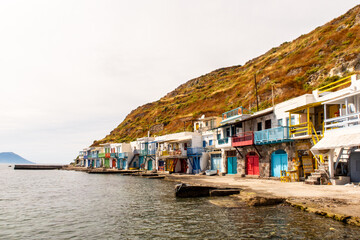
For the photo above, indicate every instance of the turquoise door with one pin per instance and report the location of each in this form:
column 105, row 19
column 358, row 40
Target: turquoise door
column 118, row 164
column 279, row 162
column 141, row 161
column 216, row 162
column 232, row 165
column 123, row 164
column 150, row 163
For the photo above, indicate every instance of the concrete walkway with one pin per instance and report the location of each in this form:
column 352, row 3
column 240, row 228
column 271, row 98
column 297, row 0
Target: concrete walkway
column 337, row 199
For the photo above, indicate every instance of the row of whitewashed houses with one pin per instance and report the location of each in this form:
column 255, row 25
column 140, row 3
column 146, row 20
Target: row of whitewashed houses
column 318, row 134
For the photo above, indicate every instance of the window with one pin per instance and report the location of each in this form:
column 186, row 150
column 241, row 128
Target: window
column 204, row 143
column 210, row 142
column 185, row 146
column 259, row 126
column 227, row 132
column 268, row 124
column 280, row 122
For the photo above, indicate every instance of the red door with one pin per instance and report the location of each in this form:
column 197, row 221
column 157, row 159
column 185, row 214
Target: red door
column 114, row 163
column 252, row 164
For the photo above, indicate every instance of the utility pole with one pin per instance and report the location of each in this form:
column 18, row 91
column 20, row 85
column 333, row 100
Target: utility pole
column 256, row 94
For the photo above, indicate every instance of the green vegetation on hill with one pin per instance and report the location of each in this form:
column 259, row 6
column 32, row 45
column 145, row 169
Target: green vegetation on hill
column 292, row 69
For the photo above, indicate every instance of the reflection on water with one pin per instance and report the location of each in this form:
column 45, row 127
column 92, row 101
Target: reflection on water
column 62, row 205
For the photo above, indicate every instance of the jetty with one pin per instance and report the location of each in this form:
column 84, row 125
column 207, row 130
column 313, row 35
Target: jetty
column 37, row 167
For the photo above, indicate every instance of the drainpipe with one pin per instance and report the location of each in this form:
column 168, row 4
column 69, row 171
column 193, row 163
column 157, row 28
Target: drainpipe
column 331, row 163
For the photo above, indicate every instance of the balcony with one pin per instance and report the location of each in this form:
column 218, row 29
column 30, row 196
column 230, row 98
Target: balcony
column 113, row 155
column 122, row 155
column 243, row 139
column 342, row 121
column 85, row 156
column 195, row 151
column 151, row 151
column 107, row 155
column 94, row 155
column 232, row 113
column 223, row 142
column 101, row 155
column 172, row 153
column 143, row 152
column 272, row 135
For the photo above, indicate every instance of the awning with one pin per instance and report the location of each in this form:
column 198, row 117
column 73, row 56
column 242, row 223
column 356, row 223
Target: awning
column 309, row 105
column 337, row 139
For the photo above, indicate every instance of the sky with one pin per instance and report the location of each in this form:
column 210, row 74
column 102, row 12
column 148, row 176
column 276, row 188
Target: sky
column 70, row 71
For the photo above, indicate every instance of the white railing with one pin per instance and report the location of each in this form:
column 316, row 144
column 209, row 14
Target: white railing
column 342, row 121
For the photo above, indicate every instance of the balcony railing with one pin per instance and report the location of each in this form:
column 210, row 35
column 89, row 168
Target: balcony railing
column 272, row 135
column 195, row 151
column 94, row 155
column 101, row 155
column 223, row 141
column 171, row 153
column 232, row 113
column 122, row 155
column 342, row 121
column 243, row 139
column 112, row 155
column 151, row 151
column 143, row 152
column 107, row 155
column 343, row 82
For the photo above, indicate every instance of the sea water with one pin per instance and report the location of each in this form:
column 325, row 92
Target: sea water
column 56, row 204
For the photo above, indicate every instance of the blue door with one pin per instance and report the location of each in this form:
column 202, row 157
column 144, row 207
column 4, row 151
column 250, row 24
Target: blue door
column 279, row 162
column 196, row 165
column 124, row 164
column 232, row 165
column 118, row 164
column 150, row 163
column 97, row 163
column 216, row 162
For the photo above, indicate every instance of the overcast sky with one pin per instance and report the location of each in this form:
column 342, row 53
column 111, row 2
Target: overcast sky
column 71, row 71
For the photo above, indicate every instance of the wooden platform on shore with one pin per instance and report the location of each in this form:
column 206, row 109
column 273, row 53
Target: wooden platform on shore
column 36, row 167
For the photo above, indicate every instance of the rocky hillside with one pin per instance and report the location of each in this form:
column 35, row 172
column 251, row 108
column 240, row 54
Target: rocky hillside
column 291, row 69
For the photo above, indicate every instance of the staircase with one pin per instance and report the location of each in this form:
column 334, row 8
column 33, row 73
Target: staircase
column 343, row 157
column 136, row 154
column 320, row 176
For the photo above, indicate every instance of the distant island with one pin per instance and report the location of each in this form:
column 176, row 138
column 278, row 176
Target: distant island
column 13, row 158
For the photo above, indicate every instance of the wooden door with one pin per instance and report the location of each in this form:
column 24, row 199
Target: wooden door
column 252, row 164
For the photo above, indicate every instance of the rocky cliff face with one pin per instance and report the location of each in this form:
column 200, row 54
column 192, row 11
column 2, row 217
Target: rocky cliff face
column 291, row 69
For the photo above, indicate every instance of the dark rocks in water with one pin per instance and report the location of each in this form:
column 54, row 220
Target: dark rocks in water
column 224, row 192
column 187, row 191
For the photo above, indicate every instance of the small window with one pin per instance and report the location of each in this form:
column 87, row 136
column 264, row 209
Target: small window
column 280, row 122
column 268, row 124
column 204, row 143
column 210, row 142
column 259, row 126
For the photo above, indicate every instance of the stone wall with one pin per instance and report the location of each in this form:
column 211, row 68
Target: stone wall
column 265, row 158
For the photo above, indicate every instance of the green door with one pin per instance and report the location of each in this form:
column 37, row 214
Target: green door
column 232, row 165
column 150, row 165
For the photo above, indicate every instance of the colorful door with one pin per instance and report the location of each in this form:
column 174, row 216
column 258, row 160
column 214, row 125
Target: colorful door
column 355, row 167
column 124, row 162
column 279, row 162
column 216, row 162
column 232, row 165
column 150, row 165
column 107, row 163
column 196, row 165
column 113, row 163
column 97, row 163
column 252, row 164
column 141, row 161
column 118, row 164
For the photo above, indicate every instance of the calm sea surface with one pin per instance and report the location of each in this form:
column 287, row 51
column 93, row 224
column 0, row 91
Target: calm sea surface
column 74, row 205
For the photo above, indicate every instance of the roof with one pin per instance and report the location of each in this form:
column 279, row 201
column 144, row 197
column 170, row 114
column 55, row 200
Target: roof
column 298, row 109
column 335, row 100
column 339, row 138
